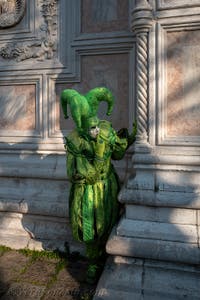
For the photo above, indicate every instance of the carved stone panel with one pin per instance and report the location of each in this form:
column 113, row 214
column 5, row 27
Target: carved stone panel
column 11, row 12
column 104, row 15
column 17, row 107
column 37, row 40
column 183, row 89
column 101, row 70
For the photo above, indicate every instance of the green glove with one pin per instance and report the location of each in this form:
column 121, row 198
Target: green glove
column 124, row 134
column 132, row 136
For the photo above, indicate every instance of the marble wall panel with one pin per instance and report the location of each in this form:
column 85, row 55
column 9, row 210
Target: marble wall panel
column 183, row 89
column 111, row 71
column 166, row 4
column 17, row 107
column 104, row 15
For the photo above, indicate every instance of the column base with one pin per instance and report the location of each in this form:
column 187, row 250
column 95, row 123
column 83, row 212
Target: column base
column 129, row 278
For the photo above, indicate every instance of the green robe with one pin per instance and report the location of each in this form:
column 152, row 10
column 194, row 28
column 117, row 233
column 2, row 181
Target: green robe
column 93, row 204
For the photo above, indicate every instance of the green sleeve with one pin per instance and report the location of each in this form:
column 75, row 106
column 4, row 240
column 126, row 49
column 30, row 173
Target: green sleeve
column 117, row 144
column 119, row 148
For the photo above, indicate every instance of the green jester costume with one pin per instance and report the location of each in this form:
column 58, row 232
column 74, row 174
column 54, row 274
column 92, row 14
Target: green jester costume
column 93, row 204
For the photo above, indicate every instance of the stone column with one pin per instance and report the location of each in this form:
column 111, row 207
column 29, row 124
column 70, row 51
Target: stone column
column 141, row 23
column 155, row 247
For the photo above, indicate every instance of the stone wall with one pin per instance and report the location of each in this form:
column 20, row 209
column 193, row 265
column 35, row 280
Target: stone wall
column 51, row 45
column 155, row 247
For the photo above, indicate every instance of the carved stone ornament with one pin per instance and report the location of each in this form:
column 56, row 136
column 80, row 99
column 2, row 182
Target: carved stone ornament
column 42, row 48
column 11, row 12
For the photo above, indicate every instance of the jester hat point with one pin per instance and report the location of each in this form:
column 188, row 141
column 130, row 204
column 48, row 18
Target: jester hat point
column 86, row 106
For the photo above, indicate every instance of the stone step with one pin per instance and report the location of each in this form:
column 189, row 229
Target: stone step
column 158, row 231
column 153, row 249
column 149, row 197
column 129, row 278
column 162, row 214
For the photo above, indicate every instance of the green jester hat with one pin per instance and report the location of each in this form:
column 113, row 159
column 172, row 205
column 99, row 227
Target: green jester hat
column 86, row 106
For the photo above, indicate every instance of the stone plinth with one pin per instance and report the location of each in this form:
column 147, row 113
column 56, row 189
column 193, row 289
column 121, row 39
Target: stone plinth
column 155, row 246
column 129, row 278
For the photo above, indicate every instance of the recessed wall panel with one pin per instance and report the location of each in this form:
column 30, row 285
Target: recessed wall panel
column 183, row 88
column 17, row 107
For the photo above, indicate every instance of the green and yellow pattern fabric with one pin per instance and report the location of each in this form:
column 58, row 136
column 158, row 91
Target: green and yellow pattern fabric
column 93, row 201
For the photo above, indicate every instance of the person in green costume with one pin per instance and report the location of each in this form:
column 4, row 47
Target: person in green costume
column 93, row 205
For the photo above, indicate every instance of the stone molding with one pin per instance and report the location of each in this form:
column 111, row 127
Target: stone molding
column 141, row 23
column 161, row 250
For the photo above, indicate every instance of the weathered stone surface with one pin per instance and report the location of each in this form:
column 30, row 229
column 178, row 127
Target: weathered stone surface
column 33, row 226
column 155, row 280
column 158, row 231
column 112, row 294
column 161, row 214
column 13, row 232
column 12, row 222
column 14, row 241
column 116, row 282
column 160, row 198
column 17, row 107
column 176, row 181
column 182, row 83
column 64, row 244
column 33, row 166
column 180, row 283
column 153, row 249
column 104, row 16
column 37, row 232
